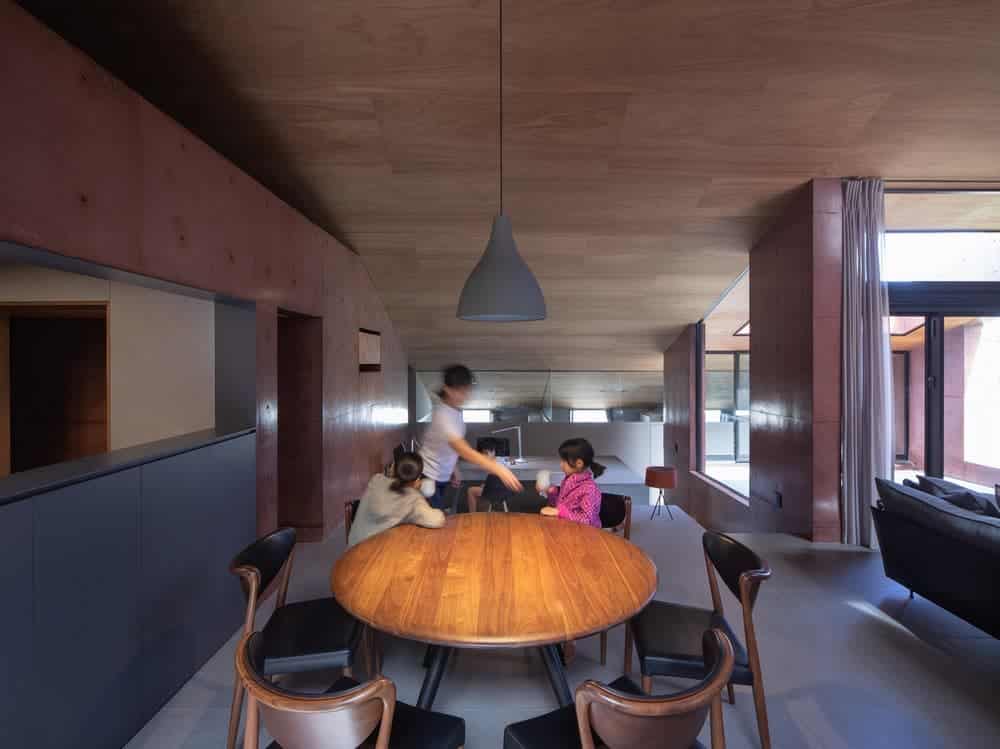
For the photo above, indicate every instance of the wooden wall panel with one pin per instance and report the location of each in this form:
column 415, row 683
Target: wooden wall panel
column 93, row 171
column 267, row 417
column 794, row 382
column 4, row 395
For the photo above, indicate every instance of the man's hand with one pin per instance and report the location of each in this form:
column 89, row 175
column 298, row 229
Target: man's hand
column 508, row 478
column 550, row 512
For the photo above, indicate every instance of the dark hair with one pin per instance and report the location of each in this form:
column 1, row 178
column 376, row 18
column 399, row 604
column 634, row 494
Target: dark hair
column 579, row 449
column 484, row 444
column 409, row 467
column 456, row 376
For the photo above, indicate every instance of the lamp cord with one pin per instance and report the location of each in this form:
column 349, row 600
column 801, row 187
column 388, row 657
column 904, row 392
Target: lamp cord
column 500, row 96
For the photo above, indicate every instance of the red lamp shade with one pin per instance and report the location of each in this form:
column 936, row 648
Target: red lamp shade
column 661, row 477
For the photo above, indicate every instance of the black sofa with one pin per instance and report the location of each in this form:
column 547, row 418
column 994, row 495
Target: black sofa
column 947, row 554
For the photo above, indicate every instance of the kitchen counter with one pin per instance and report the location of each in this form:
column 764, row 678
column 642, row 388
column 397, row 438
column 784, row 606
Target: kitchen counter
column 617, row 472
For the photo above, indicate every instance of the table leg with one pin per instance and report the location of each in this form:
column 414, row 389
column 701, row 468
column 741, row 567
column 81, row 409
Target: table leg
column 557, row 674
column 432, row 679
column 429, row 655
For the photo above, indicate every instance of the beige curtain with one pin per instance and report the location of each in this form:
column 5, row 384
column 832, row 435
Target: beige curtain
column 867, row 373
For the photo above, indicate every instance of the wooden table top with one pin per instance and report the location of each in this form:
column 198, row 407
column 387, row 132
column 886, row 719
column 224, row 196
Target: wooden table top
column 494, row 580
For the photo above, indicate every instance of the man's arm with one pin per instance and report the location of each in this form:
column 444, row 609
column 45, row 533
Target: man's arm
column 465, row 451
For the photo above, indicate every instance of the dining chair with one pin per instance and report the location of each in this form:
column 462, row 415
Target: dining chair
column 347, row 715
column 301, row 636
column 350, row 510
column 616, row 515
column 666, row 634
column 620, row 716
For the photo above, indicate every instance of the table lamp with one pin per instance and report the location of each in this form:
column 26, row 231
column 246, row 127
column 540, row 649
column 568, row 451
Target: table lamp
column 661, row 477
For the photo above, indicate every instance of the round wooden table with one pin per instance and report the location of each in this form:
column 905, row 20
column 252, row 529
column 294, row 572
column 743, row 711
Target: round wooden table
column 494, row 580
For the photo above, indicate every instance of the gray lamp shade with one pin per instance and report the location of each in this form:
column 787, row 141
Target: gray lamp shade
column 501, row 288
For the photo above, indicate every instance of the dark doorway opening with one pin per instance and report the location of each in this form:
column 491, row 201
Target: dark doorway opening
column 300, row 423
column 57, row 384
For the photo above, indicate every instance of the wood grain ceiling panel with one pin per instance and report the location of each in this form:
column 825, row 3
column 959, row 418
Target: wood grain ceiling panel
column 646, row 144
column 728, row 317
column 974, row 211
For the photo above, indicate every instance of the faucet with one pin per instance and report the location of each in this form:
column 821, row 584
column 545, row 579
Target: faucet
column 520, row 453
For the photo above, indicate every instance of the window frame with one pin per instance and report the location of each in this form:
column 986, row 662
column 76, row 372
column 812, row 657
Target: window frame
column 936, row 300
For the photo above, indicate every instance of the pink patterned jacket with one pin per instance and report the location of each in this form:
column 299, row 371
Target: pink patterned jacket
column 578, row 499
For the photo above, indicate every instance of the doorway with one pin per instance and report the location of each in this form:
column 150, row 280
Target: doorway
column 53, row 384
column 300, row 423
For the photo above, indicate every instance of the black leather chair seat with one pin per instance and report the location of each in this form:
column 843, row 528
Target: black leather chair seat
column 308, row 636
column 412, row 728
column 668, row 641
column 558, row 729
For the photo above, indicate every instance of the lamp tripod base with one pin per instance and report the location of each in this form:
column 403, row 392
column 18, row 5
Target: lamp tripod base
column 658, row 507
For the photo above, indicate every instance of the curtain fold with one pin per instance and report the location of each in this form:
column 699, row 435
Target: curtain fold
column 866, row 440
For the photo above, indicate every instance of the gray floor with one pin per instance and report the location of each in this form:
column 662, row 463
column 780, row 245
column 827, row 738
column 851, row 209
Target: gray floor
column 848, row 660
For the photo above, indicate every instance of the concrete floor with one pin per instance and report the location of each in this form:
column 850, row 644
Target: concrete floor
column 848, row 660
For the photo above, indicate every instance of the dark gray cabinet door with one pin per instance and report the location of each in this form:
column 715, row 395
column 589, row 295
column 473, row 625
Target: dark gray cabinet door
column 198, row 511
column 86, row 567
column 17, row 685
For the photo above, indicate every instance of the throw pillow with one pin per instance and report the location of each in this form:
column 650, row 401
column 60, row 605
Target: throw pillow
column 989, row 505
column 963, row 500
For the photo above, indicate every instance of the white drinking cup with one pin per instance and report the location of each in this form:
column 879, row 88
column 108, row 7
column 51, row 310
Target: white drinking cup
column 543, row 480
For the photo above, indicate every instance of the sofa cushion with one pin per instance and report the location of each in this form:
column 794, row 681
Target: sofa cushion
column 942, row 516
column 960, row 496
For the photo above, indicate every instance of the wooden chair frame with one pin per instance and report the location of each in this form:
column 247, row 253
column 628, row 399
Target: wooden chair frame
column 626, row 527
column 370, row 643
column 749, row 584
column 251, row 579
column 618, row 734
column 376, row 698
column 348, row 519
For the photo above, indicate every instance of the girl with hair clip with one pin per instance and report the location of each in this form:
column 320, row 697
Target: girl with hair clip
column 579, row 497
column 391, row 501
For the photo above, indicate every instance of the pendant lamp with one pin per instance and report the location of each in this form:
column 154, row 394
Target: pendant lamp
column 501, row 288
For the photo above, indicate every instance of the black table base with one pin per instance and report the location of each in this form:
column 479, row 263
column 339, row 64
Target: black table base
column 436, row 661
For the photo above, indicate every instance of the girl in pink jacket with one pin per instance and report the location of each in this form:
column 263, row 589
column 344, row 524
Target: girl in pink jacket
column 579, row 497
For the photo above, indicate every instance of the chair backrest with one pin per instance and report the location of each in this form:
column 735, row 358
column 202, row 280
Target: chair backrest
column 350, row 510
column 659, row 722
column 735, row 562
column 616, row 511
column 342, row 720
column 267, row 556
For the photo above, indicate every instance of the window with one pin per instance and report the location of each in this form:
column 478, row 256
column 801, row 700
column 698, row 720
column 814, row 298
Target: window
column 726, row 378
column 946, row 349
column 543, row 396
column 589, row 416
column 941, row 256
column 477, row 415
column 723, row 387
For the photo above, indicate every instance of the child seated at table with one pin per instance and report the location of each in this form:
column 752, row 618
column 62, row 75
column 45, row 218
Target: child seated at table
column 492, row 489
column 579, row 497
column 391, row 501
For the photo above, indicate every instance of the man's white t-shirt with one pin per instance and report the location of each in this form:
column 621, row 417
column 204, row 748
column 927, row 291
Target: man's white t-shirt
column 439, row 457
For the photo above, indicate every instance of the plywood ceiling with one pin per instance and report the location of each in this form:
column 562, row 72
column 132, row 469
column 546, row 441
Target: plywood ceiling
column 944, row 211
column 645, row 144
column 728, row 317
